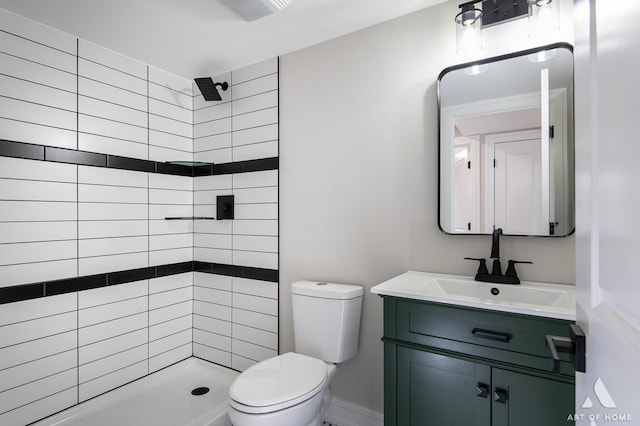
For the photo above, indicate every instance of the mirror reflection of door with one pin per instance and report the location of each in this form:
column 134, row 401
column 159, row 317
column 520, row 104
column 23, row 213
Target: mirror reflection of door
column 466, row 199
column 516, row 174
column 524, row 194
column 484, row 131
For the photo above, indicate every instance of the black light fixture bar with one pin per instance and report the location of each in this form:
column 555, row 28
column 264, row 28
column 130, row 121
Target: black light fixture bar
column 208, row 88
column 498, row 11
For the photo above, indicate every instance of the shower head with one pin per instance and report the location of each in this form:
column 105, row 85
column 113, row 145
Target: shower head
column 208, row 88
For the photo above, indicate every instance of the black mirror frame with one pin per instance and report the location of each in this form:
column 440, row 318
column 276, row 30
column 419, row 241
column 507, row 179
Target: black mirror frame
column 558, row 45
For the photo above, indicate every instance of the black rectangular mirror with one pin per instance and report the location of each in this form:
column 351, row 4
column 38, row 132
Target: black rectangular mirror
column 506, row 144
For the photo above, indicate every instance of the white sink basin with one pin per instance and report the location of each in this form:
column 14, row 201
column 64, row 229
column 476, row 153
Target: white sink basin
column 540, row 299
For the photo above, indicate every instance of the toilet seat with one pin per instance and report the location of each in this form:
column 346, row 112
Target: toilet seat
column 278, row 383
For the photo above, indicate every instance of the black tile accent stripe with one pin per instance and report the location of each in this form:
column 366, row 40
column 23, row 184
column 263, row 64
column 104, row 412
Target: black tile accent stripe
column 69, row 285
column 31, row 151
column 229, row 270
column 131, row 275
column 226, row 169
column 51, row 288
column 21, row 150
column 173, row 269
column 259, row 165
column 204, row 170
column 72, row 156
column 175, row 169
column 261, row 274
column 126, row 163
column 21, row 292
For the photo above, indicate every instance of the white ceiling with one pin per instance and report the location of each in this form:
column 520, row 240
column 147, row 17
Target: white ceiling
column 194, row 38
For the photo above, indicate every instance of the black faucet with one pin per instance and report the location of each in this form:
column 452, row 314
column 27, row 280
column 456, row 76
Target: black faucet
column 496, row 269
column 510, row 276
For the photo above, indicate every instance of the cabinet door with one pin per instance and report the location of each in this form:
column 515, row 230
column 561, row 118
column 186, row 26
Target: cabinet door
column 530, row 400
column 438, row 390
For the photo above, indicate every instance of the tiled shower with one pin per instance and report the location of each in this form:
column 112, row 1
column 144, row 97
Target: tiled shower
column 97, row 287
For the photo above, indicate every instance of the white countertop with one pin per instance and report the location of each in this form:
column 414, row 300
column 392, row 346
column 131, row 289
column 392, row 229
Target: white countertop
column 530, row 298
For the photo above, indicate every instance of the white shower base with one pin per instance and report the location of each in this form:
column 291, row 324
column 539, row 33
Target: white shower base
column 160, row 399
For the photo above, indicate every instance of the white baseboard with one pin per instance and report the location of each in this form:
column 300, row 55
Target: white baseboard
column 343, row 413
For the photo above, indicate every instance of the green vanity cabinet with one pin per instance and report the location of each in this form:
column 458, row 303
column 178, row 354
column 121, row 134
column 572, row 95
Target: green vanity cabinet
column 532, row 400
column 439, row 390
column 449, row 365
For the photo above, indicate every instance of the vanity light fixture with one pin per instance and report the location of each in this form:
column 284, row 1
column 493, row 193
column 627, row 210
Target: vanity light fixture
column 469, row 29
column 208, row 88
column 499, row 11
column 544, row 19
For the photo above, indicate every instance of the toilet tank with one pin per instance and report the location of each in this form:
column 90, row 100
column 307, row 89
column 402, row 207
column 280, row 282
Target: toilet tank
column 326, row 319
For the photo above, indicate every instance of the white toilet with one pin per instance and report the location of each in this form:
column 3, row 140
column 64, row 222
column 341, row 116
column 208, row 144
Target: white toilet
column 293, row 389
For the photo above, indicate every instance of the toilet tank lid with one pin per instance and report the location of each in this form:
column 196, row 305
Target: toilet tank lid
column 326, row 290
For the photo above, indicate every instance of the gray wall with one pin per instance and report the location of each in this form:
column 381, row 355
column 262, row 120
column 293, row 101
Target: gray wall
column 358, row 173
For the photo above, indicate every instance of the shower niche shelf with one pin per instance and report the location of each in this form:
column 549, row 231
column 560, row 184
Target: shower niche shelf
column 194, row 165
column 224, row 210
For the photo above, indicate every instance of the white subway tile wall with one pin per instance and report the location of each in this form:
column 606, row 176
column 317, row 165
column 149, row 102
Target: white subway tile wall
column 250, row 342
column 38, row 358
column 255, row 236
column 61, row 350
column 212, row 296
column 212, row 239
column 38, row 86
column 235, row 320
column 112, row 220
column 170, row 241
column 255, row 111
column 170, row 117
column 107, row 351
column 42, row 243
column 62, row 221
column 112, row 103
column 170, row 319
column 243, row 127
column 212, row 125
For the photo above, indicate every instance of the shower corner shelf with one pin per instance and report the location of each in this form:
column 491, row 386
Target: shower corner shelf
column 190, row 218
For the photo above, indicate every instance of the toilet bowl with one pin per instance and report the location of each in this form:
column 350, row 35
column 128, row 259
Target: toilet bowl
column 290, row 389
column 293, row 388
